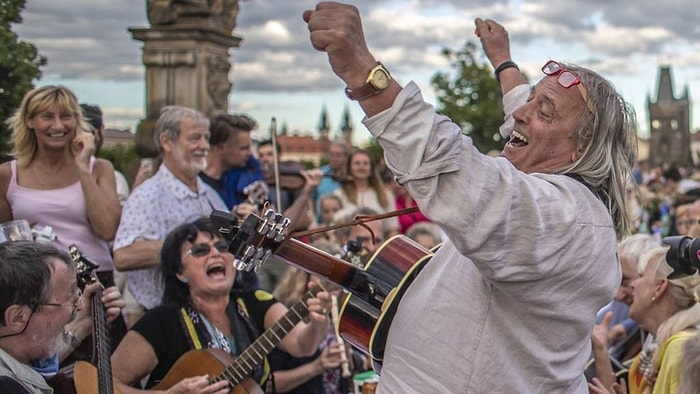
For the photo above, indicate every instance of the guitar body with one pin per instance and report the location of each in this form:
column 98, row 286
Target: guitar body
column 86, row 379
column 210, row 362
column 374, row 290
column 391, row 270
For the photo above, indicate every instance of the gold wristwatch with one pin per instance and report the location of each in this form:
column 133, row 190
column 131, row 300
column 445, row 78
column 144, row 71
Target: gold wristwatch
column 378, row 79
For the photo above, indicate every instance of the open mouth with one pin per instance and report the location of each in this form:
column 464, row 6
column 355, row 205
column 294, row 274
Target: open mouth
column 517, row 140
column 57, row 134
column 216, row 270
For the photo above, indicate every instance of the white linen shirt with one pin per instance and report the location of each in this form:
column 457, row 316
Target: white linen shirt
column 508, row 303
column 152, row 210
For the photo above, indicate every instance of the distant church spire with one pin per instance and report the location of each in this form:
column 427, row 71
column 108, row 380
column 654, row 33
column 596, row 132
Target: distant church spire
column 669, row 124
column 323, row 127
column 665, row 85
column 346, row 126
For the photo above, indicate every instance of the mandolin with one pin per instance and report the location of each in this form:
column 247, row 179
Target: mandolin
column 222, row 366
column 88, row 378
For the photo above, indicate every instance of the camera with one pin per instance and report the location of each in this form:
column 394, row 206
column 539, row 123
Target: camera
column 682, row 255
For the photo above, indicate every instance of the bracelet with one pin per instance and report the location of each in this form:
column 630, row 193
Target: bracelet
column 503, row 66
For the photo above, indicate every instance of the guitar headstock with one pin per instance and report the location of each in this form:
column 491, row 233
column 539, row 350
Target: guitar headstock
column 84, row 267
column 252, row 241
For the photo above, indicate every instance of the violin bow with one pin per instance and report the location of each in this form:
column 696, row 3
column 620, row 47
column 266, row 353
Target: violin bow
column 276, row 163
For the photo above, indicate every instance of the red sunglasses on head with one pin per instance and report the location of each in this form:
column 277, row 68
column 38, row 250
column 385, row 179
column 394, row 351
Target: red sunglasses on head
column 567, row 79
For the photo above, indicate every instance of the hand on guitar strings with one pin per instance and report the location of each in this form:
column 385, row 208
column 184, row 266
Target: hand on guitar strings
column 111, row 299
column 319, row 306
column 81, row 326
column 199, row 384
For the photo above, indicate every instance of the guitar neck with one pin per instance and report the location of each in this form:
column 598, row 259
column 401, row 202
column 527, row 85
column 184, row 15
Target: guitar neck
column 244, row 364
column 320, row 263
column 102, row 349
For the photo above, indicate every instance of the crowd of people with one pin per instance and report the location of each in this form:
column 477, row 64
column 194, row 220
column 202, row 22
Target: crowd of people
column 547, row 270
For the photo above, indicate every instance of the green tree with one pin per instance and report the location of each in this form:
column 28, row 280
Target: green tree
column 122, row 156
column 471, row 97
column 19, row 66
column 375, row 150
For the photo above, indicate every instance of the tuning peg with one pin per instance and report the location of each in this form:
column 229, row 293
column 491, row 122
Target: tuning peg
column 239, row 265
column 265, row 227
column 274, row 233
column 285, row 223
column 270, row 214
column 258, row 263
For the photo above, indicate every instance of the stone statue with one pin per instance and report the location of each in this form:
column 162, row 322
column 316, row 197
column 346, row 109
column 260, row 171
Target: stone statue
column 215, row 13
column 218, row 84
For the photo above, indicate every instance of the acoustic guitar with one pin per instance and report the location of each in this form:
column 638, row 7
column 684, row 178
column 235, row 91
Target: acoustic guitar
column 88, row 378
column 375, row 289
column 222, row 366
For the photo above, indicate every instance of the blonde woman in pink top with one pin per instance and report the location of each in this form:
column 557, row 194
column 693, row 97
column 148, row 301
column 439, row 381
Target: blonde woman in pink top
column 54, row 179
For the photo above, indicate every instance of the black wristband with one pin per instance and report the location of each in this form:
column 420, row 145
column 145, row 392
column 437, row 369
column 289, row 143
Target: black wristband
column 503, row 66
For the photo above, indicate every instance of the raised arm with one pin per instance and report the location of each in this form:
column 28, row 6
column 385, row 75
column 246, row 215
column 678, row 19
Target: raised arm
column 494, row 40
column 337, row 30
column 98, row 186
column 101, row 200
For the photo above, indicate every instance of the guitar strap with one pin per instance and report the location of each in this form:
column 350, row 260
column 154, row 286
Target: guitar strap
column 599, row 192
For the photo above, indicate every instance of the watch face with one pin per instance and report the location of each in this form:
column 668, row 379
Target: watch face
column 380, row 79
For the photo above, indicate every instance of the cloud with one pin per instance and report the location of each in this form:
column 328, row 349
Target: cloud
column 85, row 39
column 88, row 39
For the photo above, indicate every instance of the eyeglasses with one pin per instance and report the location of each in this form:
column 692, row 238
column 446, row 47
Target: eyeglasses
column 203, row 249
column 74, row 305
column 567, row 79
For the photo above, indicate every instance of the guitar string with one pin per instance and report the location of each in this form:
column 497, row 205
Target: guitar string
column 229, row 373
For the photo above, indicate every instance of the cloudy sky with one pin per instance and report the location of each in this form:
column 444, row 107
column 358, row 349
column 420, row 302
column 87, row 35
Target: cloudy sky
column 277, row 73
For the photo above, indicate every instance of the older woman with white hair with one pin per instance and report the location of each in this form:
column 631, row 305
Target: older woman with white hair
column 670, row 311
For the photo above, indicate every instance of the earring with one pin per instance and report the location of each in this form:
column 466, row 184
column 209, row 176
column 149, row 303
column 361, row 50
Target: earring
column 652, row 298
column 183, row 279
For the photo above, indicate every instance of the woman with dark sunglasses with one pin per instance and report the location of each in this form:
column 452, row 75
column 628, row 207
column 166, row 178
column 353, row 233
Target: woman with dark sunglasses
column 201, row 311
column 508, row 303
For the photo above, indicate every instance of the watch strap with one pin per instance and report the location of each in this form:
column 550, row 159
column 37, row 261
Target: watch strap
column 367, row 90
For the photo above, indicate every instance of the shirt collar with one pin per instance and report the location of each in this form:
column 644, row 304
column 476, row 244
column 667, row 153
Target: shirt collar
column 178, row 188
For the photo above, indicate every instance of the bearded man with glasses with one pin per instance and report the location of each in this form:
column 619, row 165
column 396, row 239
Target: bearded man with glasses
column 42, row 315
column 508, row 303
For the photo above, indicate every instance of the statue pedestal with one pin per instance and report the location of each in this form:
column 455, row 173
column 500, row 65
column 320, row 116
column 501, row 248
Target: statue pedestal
column 186, row 65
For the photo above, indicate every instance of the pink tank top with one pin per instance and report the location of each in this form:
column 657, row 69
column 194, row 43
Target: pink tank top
column 64, row 210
